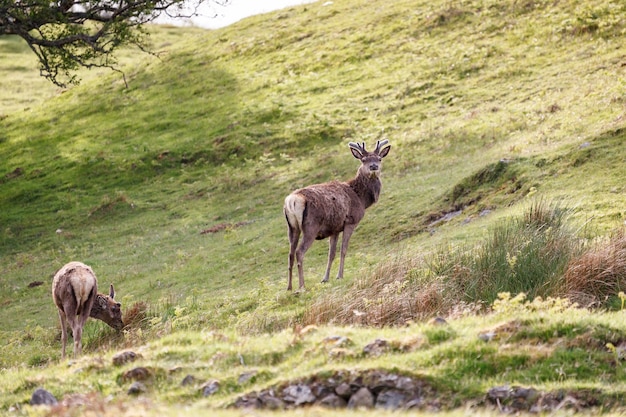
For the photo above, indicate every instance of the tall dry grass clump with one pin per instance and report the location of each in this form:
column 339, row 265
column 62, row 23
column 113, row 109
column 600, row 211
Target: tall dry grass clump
column 526, row 254
column 395, row 293
column 599, row 273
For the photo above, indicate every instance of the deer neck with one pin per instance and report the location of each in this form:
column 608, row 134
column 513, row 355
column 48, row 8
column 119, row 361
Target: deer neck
column 98, row 309
column 367, row 188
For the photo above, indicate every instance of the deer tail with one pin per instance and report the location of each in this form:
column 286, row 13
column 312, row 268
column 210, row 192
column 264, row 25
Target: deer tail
column 294, row 209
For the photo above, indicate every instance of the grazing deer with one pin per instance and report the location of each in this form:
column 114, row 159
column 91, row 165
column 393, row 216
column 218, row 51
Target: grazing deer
column 75, row 293
column 325, row 210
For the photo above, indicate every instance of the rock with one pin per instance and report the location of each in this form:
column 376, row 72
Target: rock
column 336, row 341
column 438, row 321
column 210, row 388
column 320, row 390
column 523, row 398
column 270, row 401
column 391, row 399
column 351, row 389
column 125, row 357
column 136, row 388
column 245, row 377
column 404, row 383
column 248, row 401
column 333, row 401
column 188, row 380
column 414, row 403
column 379, row 381
column 298, row 394
column 513, row 398
column 487, row 336
column 363, row 398
column 376, row 348
column 137, row 374
column 343, row 390
column 42, row 397
column 498, row 393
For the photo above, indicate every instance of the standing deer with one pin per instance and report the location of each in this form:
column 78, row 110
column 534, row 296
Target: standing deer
column 325, row 210
column 75, row 293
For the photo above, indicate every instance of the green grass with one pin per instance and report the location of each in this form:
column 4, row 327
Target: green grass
column 541, row 345
column 487, row 106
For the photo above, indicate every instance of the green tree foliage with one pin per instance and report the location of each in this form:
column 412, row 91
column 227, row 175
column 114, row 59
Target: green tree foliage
column 67, row 34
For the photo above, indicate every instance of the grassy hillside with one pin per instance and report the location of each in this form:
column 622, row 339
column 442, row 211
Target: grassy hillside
column 172, row 188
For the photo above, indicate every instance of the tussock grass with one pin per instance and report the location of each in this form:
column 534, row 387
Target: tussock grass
column 598, row 276
column 527, row 255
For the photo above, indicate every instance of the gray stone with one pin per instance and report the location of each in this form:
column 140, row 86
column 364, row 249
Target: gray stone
column 42, row 397
column 245, row 377
column 136, row 388
column 391, row 399
column 210, row 387
column 404, row 383
column 438, row 321
column 248, row 401
column 363, row 398
column 298, row 394
column 376, row 348
column 188, row 380
column 137, row 374
column 333, row 401
column 337, row 341
column 343, row 390
column 125, row 357
column 270, row 401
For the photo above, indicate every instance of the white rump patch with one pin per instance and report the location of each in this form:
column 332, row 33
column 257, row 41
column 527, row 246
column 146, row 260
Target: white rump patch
column 294, row 209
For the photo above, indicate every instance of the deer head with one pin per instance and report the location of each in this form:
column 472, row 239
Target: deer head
column 108, row 310
column 371, row 162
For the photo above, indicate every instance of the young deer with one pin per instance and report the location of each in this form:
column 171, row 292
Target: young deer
column 75, row 293
column 325, row 210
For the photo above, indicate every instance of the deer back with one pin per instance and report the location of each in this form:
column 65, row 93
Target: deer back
column 328, row 207
column 74, row 288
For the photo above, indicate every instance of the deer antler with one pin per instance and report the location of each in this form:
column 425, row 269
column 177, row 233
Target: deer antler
column 380, row 144
column 358, row 147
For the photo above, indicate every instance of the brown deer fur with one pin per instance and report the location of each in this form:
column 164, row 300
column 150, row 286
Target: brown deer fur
column 326, row 210
column 75, row 293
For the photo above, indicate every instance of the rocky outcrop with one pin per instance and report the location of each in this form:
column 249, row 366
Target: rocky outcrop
column 351, row 389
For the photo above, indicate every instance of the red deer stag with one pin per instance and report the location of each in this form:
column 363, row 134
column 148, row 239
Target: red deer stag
column 325, row 210
column 75, row 293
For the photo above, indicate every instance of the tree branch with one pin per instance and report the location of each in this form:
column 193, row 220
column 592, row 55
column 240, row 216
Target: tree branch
column 69, row 34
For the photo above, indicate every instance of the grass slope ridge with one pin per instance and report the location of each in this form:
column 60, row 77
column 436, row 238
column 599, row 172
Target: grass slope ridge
column 565, row 356
column 484, row 103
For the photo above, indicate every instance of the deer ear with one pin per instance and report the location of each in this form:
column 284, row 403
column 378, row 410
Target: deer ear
column 355, row 148
column 112, row 292
column 384, row 151
column 357, row 154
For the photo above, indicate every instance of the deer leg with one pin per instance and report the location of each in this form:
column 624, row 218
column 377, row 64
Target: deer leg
column 332, row 250
column 294, row 235
column 347, row 233
column 307, row 241
column 79, row 324
column 63, row 332
column 77, row 329
column 73, row 321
